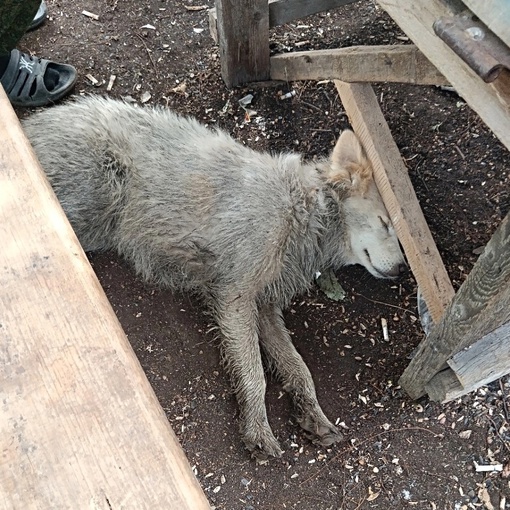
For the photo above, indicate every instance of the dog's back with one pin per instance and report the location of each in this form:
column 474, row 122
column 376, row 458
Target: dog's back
column 181, row 201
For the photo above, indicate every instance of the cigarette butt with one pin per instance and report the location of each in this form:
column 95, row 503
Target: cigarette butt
column 384, row 325
column 288, row 95
column 90, row 15
column 487, row 467
column 111, row 82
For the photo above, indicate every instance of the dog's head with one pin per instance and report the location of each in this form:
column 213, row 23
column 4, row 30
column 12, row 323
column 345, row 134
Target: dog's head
column 372, row 240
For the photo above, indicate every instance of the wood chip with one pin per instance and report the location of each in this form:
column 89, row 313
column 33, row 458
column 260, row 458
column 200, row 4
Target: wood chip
column 145, row 97
column 483, row 494
column 90, row 15
column 196, row 7
column 92, row 79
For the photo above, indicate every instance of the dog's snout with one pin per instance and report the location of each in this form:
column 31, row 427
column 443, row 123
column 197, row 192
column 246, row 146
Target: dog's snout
column 396, row 270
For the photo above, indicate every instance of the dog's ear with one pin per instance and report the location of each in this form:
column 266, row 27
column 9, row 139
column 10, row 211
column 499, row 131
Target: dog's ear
column 349, row 165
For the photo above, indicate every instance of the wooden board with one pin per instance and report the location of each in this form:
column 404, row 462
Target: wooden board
column 481, row 305
column 495, row 14
column 243, row 39
column 80, row 426
column 398, row 194
column 490, row 101
column 402, row 64
column 483, row 362
column 284, row 11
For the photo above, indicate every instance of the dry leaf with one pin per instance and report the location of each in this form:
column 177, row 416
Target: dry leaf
column 180, row 89
column 483, row 494
column 372, row 495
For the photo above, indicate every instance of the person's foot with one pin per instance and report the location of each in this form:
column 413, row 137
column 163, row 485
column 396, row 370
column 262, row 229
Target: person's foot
column 40, row 16
column 30, row 81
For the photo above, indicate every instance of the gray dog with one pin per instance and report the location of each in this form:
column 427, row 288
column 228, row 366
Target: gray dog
column 193, row 209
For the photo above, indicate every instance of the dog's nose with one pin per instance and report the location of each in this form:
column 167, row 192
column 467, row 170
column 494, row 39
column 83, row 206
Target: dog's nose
column 402, row 268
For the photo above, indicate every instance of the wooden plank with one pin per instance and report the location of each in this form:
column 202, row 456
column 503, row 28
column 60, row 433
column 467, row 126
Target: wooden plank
column 401, row 64
column 485, row 361
column 243, row 38
column 490, row 100
column 445, row 386
column 80, row 425
column 284, row 11
column 398, row 194
column 481, row 305
column 495, row 14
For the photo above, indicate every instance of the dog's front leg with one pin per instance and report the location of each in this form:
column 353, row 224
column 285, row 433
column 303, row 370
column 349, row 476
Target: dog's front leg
column 238, row 321
column 295, row 376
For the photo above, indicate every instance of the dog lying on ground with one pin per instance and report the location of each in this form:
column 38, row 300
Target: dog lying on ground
column 193, row 209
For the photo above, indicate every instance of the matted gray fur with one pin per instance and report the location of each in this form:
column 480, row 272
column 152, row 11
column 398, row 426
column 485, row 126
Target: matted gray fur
column 191, row 208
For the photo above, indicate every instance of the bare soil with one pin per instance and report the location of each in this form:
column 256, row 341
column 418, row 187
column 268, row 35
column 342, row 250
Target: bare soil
column 398, row 453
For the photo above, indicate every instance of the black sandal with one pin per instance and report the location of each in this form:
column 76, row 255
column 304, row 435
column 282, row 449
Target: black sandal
column 40, row 16
column 24, row 80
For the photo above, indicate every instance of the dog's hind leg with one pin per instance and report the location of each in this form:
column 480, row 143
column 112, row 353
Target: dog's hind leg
column 284, row 359
column 237, row 318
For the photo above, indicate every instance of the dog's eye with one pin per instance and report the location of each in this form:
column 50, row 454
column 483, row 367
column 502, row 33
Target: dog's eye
column 385, row 224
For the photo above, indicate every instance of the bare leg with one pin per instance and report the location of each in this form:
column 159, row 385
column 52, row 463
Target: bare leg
column 237, row 318
column 294, row 374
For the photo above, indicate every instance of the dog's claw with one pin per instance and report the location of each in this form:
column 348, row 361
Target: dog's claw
column 263, row 448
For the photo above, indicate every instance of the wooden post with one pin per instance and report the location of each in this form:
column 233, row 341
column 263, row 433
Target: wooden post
column 490, row 100
column 481, row 305
column 401, row 64
column 484, row 361
column 243, row 38
column 398, row 194
column 80, row 426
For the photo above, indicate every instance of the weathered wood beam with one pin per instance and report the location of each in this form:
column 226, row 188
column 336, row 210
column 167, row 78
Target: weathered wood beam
column 393, row 181
column 490, row 100
column 243, row 39
column 495, row 14
column 284, row 11
column 481, row 305
column 401, row 64
column 485, row 361
column 80, row 425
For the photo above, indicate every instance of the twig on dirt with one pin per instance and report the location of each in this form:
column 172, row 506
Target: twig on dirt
column 312, row 106
column 457, row 148
column 382, row 303
column 503, row 399
column 148, row 53
column 368, row 439
column 502, row 439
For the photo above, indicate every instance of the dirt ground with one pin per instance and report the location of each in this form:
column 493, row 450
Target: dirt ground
column 398, row 453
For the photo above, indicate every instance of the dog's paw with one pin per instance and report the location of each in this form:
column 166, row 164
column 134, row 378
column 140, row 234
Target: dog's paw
column 262, row 445
column 320, row 430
